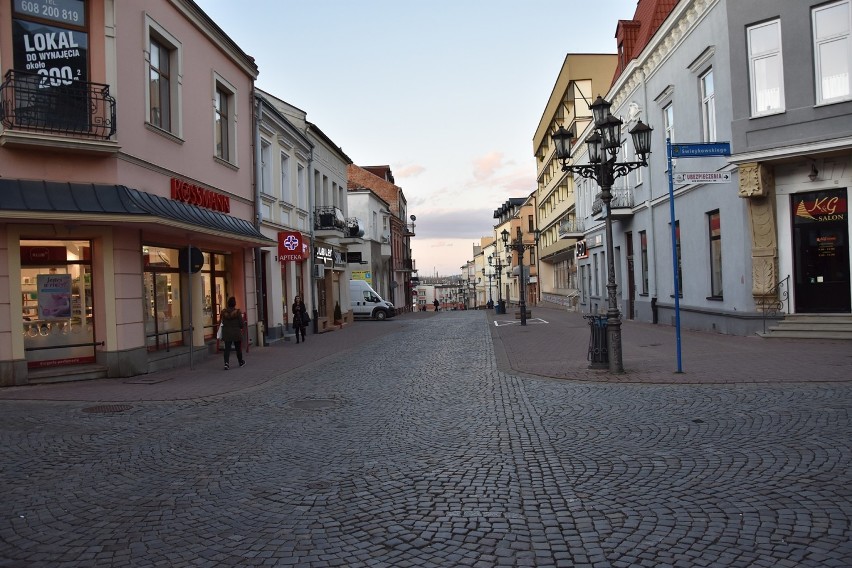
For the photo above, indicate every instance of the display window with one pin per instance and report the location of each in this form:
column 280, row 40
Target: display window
column 162, row 298
column 214, row 283
column 57, row 302
column 166, row 318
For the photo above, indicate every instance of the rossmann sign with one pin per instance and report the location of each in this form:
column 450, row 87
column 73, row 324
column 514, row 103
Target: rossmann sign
column 197, row 195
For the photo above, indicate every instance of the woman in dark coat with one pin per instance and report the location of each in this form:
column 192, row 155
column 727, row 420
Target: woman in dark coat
column 232, row 331
column 300, row 317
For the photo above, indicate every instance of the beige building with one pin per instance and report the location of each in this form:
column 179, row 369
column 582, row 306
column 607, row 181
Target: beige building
column 581, row 79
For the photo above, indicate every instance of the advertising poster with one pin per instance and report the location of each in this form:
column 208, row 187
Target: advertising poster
column 54, row 296
column 55, row 93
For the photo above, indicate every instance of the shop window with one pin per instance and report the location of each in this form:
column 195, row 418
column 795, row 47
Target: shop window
column 57, row 302
column 715, row 234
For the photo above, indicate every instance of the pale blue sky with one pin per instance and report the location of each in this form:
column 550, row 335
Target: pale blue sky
column 447, row 92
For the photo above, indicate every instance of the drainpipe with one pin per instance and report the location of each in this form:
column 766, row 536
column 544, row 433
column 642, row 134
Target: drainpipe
column 311, row 212
column 258, row 256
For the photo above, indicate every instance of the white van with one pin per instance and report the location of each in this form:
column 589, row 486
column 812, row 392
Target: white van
column 366, row 302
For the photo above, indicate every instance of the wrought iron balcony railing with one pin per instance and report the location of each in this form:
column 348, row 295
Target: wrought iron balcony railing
column 570, row 227
column 621, row 199
column 329, row 217
column 40, row 103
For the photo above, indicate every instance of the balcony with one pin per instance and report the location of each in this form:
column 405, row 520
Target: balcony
column 354, row 231
column 621, row 205
column 571, row 228
column 329, row 222
column 408, row 230
column 404, row 265
column 37, row 110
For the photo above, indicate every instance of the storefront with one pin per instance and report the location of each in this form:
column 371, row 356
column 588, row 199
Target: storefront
column 105, row 288
column 820, row 248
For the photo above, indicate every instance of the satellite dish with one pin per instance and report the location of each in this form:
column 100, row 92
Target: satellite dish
column 413, row 218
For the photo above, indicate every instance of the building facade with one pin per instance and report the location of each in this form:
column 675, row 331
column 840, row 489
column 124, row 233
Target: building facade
column 791, row 140
column 127, row 191
column 581, row 79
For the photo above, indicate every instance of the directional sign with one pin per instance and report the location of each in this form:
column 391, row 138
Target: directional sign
column 702, row 177
column 700, row 150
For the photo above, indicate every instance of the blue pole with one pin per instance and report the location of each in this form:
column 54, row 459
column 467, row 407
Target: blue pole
column 674, row 252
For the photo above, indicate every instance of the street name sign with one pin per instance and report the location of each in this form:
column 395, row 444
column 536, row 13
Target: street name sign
column 701, row 149
column 702, row 177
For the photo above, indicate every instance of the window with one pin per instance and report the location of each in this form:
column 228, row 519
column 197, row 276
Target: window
column 531, row 224
column 286, row 193
column 832, row 51
column 714, row 225
column 708, row 107
column 766, row 69
column 159, row 96
column 668, row 121
column 266, row 168
column 302, row 201
column 643, row 251
column 222, row 119
column 162, row 73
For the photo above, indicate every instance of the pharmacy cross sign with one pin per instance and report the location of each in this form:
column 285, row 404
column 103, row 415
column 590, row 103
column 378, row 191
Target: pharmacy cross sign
column 291, row 243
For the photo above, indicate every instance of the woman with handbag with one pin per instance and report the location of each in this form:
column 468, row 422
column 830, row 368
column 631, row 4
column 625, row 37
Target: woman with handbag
column 300, row 317
column 232, row 331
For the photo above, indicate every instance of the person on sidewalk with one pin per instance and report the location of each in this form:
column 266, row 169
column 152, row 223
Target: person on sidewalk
column 300, row 318
column 232, row 331
column 436, row 304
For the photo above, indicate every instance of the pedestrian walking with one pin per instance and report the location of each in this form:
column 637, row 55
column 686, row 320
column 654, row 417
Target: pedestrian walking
column 301, row 319
column 436, row 304
column 231, row 320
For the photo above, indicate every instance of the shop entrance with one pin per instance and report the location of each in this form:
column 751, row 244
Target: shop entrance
column 821, row 252
column 57, row 303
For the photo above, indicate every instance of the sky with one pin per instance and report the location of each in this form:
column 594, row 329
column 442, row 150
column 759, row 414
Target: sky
column 448, row 93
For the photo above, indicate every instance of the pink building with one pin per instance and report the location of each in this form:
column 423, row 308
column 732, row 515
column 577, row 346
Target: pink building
column 127, row 202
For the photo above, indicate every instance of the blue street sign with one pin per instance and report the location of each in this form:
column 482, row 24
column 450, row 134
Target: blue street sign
column 701, row 150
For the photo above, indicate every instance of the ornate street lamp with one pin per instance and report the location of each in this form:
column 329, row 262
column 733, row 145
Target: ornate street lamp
column 489, row 274
column 519, row 246
column 498, row 268
column 603, row 147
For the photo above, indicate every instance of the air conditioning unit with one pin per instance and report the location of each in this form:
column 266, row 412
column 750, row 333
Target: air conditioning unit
column 319, row 271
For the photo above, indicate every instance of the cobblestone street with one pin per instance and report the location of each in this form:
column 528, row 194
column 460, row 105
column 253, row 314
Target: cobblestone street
column 417, row 449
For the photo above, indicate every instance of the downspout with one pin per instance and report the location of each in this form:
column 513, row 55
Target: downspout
column 312, row 225
column 258, row 256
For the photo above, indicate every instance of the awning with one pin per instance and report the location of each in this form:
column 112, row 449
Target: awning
column 20, row 199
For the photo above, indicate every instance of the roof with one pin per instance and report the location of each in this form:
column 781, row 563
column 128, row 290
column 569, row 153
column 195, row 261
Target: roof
column 634, row 35
column 121, row 203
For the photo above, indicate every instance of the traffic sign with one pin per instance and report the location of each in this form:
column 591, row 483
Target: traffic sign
column 702, row 177
column 701, row 150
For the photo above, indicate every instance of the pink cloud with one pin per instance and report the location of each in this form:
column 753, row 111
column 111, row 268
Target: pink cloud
column 413, row 170
column 485, row 166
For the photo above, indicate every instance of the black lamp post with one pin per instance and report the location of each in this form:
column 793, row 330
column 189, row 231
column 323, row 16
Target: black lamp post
column 603, row 168
column 498, row 269
column 519, row 246
column 490, row 275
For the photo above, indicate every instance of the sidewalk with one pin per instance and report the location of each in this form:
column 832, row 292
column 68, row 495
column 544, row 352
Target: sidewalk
column 554, row 343
column 559, row 349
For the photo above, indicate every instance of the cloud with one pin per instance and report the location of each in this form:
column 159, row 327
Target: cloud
column 410, row 171
column 456, row 223
column 486, row 166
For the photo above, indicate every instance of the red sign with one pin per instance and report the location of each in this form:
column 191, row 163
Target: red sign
column 43, row 254
column 291, row 246
column 197, row 195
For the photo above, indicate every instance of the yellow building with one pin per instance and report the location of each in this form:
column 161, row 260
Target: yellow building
column 581, row 79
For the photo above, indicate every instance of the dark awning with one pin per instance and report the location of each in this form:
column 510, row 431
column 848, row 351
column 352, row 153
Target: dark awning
column 118, row 203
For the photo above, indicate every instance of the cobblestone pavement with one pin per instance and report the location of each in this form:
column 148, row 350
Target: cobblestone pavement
column 420, row 448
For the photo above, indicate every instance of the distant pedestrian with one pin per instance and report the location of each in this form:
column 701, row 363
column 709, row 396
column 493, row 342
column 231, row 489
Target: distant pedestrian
column 300, row 318
column 437, row 304
column 232, row 331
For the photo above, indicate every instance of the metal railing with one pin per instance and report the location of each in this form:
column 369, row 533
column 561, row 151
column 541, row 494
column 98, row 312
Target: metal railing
column 570, row 226
column 329, row 217
column 41, row 103
column 775, row 301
